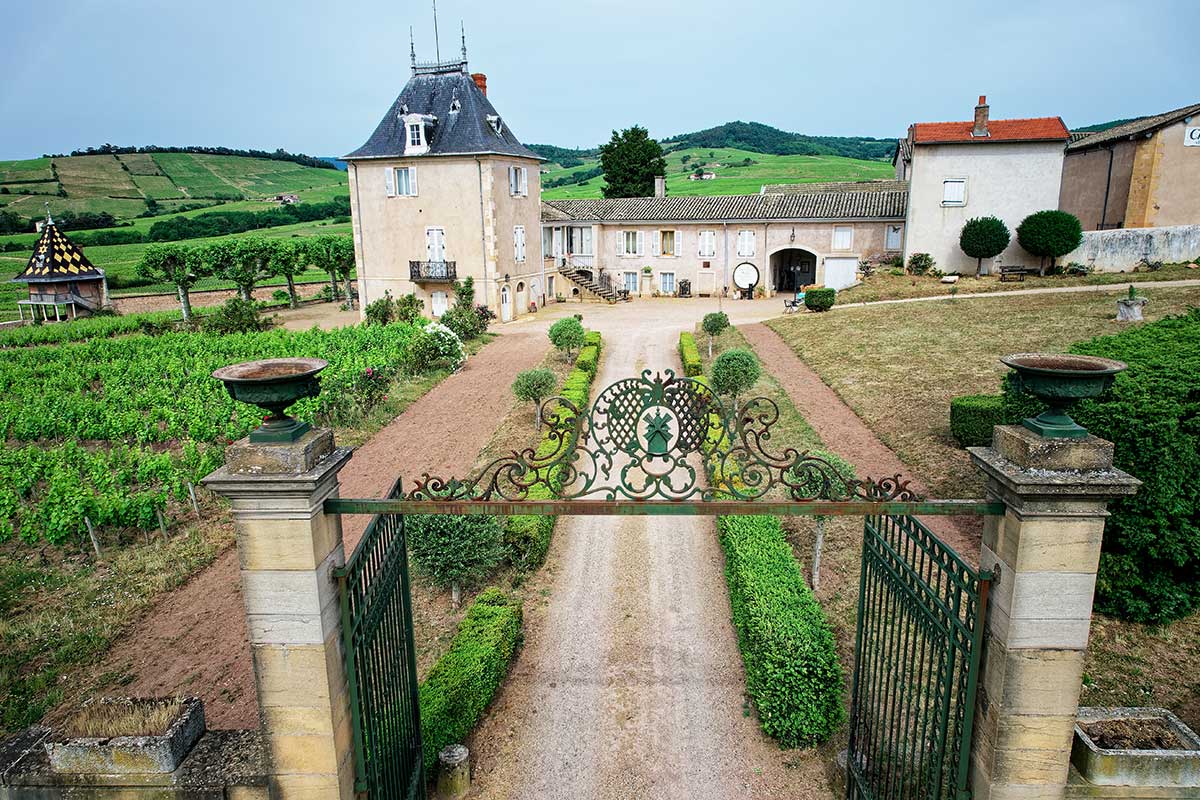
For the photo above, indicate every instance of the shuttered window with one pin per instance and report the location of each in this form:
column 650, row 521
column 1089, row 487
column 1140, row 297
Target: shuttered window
column 745, row 243
column 894, row 240
column 632, row 243
column 954, row 192
column 708, row 243
column 519, row 243
column 518, row 181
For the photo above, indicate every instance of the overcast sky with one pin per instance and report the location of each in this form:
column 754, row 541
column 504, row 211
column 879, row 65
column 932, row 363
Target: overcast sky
column 316, row 76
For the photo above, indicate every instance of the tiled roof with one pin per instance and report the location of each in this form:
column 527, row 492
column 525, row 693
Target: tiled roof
column 827, row 205
column 903, row 149
column 836, row 186
column 552, row 214
column 57, row 258
column 1135, row 127
column 466, row 130
column 1077, row 136
column 999, row 130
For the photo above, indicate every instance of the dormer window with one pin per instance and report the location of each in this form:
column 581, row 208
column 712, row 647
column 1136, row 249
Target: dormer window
column 416, row 133
column 496, row 123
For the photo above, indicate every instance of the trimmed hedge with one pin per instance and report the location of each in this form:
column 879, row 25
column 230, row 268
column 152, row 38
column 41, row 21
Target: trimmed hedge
column 689, row 354
column 526, row 536
column 792, row 668
column 819, row 299
column 464, row 680
column 1151, row 550
column 972, row 417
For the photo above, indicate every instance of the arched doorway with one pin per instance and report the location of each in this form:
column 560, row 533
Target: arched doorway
column 793, row 268
column 505, row 304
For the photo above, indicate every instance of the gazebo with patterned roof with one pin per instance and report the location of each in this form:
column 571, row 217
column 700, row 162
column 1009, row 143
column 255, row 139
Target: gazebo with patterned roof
column 60, row 276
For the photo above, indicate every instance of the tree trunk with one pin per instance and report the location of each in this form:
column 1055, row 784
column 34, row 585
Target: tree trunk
column 537, row 416
column 710, row 345
column 333, row 283
column 455, row 595
column 349, row 292
column 244, row 291
column 816, row 575
column 291, row 283
column 185, row 302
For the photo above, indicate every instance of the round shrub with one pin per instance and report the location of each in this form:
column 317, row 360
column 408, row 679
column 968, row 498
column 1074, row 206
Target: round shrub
column 972, row 417
column 456, row 550
column 820, row 299
column 984, row 237
column 920, row 263
column 381, row 311
column 567, row 335
column 1050, row 234
column 534, row 386
column 714, row 325
column 735, row 371
column 463, row 320
column 436, row 346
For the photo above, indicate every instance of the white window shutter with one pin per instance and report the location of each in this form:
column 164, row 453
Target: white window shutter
column 641, row 242
column 389, row 181
column 656, row 243
column 524, row 181
column 678, row 243
column 412, row 180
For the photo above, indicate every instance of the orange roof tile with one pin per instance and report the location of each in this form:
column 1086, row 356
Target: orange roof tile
column 999, row 130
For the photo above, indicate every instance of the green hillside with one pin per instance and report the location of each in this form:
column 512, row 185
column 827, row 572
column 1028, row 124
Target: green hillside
column 733, row 174
column 130, row 185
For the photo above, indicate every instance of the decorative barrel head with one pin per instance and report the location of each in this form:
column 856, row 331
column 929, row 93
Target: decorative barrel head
column 273, row 384
column 1060, row 380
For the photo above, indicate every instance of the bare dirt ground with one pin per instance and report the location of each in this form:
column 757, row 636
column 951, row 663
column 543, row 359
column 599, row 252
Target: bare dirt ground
column 630, row 683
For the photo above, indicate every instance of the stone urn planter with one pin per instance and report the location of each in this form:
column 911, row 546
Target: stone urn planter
column 122, row 736
column 1060, row 380
column 273, row 384
column 1135, row 747
column 1129, row 309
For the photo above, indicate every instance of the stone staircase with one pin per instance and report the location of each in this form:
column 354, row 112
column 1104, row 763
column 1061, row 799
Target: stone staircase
column 601, row 289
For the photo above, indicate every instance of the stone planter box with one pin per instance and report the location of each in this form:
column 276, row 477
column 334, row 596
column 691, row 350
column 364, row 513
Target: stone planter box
column 131, row 755
column 1130, row 310
column 1136, row 767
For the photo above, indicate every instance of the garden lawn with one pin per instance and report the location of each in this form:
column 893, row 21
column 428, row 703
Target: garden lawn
column 898, row 366
column 885, row 286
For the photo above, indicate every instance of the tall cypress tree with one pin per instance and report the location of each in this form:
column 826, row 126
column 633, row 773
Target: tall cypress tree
column 631, row 160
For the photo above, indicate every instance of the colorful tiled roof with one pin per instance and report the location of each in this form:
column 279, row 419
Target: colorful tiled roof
column 999, row 130
column 57, row 258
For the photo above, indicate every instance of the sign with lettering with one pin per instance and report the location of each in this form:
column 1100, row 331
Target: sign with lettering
column 1191, row 136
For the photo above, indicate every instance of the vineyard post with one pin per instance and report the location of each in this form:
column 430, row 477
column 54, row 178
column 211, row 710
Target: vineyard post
column 287, row 550
column 95, row 540
column 192, row 494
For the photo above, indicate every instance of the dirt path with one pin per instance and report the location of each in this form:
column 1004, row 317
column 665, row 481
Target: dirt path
column 195, row 641
column 630, row 683
column 847, row 435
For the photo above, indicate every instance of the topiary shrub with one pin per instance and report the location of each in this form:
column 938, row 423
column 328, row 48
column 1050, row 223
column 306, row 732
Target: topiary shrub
column 455, row 551
column 1151, row 550
column 588, row 360
column 534, row 386
column 972, row 417
column 689, row 354
column 735, row 371
column 434, row 347
column 567, row 335
column 463, row 681
column 820, row 299
column 920, row 263
column 1050, row 234
column 984, row 237
column 714, row 325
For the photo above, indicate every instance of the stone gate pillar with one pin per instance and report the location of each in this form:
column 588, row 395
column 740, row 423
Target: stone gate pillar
column 287, row 548
column 1047, row 550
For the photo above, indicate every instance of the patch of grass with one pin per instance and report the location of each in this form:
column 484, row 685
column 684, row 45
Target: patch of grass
column 103, row 720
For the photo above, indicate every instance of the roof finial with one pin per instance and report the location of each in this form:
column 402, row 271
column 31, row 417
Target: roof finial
column 412, row 49
column 463, row 26
column 49, row 219
column 437, row 46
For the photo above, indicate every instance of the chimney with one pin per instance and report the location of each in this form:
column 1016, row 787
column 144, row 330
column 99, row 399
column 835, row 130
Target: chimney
column 480, row 81
column 981, row 117
column 660, row 186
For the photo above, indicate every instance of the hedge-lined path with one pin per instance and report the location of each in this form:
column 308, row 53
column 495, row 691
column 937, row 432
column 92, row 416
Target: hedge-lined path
column 844, row 432
column 630, row 683
column 194, row 640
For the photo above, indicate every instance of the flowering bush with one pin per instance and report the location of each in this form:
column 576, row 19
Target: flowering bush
column 437, row 346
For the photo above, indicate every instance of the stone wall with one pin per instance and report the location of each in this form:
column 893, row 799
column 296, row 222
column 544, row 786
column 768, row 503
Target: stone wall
column 1122, row 250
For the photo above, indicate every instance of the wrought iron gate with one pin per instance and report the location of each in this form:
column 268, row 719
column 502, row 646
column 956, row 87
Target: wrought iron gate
column 916, row 665
column 381, row 668
column 634, row 452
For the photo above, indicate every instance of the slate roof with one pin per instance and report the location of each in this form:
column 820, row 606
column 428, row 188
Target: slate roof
column 999, row 130
column 903, row 149
column 880, row 185
column 57, row 258
column 466, row 131
column 827, row 205
column 1135, row 128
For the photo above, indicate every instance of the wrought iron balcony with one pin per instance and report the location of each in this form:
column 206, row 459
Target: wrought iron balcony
column 432, row 271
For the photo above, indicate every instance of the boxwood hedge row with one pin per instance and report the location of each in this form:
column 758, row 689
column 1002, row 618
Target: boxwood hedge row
column 972, row 417
column 689, row 354
column 464, row 680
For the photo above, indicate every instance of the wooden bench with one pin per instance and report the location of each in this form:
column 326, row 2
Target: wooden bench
column 1015, row 272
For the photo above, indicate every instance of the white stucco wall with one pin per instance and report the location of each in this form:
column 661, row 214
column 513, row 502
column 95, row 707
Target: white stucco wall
column 1005, row 180
column 1122, row 250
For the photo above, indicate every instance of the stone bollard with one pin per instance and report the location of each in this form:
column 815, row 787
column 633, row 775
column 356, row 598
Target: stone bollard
column 454, row 772
column 287, row 548
column 1046, row 548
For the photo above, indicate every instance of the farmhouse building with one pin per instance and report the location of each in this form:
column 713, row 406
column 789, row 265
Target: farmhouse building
column 61, row 279
column 798, row 237
column 1140, row 174
column 1006, row 168
column 443, row 190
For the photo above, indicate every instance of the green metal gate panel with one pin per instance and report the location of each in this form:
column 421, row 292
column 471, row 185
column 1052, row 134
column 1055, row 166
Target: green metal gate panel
column 920, row 631
column 377, row 638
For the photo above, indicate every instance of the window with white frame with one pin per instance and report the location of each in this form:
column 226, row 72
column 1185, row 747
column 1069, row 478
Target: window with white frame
column 669, row 242
column 632, row 243
column 519, row 243
column 435, row 247
column 401, row 181
column 416, row 140
column 579, row 241
column 745, row 243
column 439, row 302
column 708, row 243
column 416, row 134
column 547, row 242
column 631, row 282
column 518, row 181
column 954, row 192
column 666, row 282
column 843, row 237
column 894, row 239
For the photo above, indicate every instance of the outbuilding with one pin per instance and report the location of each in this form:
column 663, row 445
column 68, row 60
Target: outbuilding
column 62, row 282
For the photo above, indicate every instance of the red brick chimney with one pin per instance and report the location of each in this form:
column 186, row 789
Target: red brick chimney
column 480, row 81
column 981, row 117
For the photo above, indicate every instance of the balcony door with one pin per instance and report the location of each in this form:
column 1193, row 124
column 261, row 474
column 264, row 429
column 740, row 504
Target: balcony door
column 435, row 247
